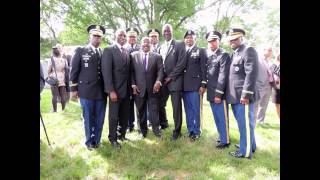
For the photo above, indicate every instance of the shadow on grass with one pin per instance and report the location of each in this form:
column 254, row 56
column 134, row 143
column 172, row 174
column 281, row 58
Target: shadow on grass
column 56, row 163
column 269, row 126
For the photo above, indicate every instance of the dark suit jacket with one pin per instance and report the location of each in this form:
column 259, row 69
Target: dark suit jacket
column 174, row 64
column 145, row 80
column 85, row 75
column 195, row 72
column 116, row 71
column 218, row 71
column 243, row 75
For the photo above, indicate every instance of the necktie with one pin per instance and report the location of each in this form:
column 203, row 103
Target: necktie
column 145, row 62
column 97, row 52
column 123, row 51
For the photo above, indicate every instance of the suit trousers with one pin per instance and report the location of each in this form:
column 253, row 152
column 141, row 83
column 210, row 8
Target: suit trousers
column 131, row 114
column 152, row 102
column 260, row 106
column 93, row 113
column 176, row 101
column 246, row 127
column 118, row 114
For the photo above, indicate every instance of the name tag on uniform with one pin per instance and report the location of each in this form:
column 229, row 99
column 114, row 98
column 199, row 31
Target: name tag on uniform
column 86, row 57
column 86, row 65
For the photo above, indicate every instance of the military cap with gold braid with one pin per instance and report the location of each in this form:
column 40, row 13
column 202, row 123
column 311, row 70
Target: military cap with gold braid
column 211, row 35
column 96, row 30
column 153, row 32
column 132, row 32
column 235, row 33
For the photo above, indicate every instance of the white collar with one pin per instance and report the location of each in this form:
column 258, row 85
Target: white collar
column 119, row 46
column 94, row 48
column 143, row 53
column 191, row 47
column 168, row 42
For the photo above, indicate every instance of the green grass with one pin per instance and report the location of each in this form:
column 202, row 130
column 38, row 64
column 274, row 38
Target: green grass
column 150, row 158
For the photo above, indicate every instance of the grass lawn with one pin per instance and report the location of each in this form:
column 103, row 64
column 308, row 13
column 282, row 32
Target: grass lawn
column 150, row 158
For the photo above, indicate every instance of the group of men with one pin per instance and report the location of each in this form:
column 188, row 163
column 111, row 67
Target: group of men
column 148, row 73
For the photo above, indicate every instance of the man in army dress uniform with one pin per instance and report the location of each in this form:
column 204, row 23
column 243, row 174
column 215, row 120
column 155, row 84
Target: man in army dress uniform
column 86, row 83
column 154, row 37
column 241, row 90
column 194, row 83
column 218, row 71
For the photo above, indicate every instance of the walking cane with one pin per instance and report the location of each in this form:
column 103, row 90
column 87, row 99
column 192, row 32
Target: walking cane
column 45, row 131
column 201, row 114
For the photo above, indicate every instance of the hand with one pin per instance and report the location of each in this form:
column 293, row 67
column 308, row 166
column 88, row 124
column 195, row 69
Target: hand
column 136, row 90
column 74, row 96
column 217, row 100
column 167, row 80
column 202, row 90
column 156, row 87
column 244, row 101
column 113, row 96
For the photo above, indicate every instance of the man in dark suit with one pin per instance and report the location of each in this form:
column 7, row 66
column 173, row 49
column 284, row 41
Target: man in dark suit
column 154, row 39
column 218, row 65
column 86, row 83
column 194, row 83
column 147, row 74
column 241, row 90
column 132, row 46
column 115, row 66
column 172, row 54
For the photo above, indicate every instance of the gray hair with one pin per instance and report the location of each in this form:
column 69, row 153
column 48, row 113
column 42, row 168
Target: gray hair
column 169, row 25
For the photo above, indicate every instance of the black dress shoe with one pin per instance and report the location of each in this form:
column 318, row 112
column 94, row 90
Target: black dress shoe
column 195, row 137
column 175, row 137
column 123, row 138
column 190, row 135
column 131, row 129
column 158, row 135
column 236, row 154
column 90, row 147
column 115, row 144
column 164, row 126
column 222, row 146
column 238, row 146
